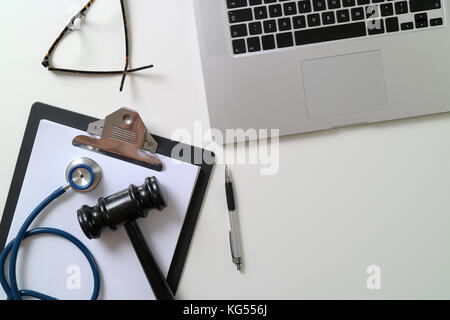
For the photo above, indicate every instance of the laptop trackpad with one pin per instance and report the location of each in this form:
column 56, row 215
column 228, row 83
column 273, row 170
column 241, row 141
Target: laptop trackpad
column 344, row 84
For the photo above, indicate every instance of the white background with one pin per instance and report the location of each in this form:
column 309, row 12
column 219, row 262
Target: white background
column 342, row 200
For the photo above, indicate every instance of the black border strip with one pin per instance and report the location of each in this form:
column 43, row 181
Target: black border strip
column 40, row 111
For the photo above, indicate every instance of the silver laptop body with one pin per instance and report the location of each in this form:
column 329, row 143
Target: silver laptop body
column 310, row 65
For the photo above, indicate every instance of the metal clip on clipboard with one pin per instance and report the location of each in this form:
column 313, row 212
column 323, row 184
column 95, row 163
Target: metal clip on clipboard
column 122, row 133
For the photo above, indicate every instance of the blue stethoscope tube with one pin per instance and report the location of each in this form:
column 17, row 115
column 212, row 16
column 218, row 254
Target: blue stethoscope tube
column 11, row 289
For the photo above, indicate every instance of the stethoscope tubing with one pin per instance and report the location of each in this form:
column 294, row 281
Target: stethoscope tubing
column 11, row 289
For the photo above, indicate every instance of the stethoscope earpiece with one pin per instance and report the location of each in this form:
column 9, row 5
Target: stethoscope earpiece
column 83, row 174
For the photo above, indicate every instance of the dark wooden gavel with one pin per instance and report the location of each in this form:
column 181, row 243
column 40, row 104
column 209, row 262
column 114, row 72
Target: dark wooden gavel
column 122, row 209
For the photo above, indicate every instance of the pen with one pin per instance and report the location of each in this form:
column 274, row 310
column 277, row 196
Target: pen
column 233, row 233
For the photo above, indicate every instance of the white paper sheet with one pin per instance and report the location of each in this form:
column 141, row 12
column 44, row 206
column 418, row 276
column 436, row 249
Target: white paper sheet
column 50, row 264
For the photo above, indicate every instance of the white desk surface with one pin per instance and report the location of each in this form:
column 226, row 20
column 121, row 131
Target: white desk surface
column 340, row 201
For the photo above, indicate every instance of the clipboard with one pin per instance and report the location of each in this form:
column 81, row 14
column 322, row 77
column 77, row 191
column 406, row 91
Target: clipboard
column 42, row 112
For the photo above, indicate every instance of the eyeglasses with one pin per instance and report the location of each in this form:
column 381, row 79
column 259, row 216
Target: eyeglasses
column 73, row 25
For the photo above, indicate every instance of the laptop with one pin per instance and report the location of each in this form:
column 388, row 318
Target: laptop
column 308, row 65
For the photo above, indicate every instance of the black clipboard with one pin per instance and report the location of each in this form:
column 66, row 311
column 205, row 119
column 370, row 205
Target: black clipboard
column 40, row 111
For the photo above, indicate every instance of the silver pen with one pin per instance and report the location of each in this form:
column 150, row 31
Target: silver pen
column 234, row 230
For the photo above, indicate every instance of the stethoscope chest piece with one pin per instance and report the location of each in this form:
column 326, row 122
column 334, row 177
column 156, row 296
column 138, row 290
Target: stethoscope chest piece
column 83, row 174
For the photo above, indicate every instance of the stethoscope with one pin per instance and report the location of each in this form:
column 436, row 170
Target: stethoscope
column 82, row 175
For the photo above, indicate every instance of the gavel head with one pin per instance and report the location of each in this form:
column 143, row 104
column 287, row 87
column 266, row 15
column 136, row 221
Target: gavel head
column 120, row 208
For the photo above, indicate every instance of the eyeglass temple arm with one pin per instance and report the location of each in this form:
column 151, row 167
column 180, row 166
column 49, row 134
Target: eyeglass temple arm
column 127, row 54
column 46, row 61
column 100, row 72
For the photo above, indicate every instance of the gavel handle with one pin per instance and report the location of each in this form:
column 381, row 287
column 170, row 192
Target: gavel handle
column 154, row 275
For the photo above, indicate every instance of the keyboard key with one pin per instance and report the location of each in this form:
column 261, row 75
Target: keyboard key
column 299, row 22
column 328, row 18
column 268, row 42
column 270, row 26
column 241, row 15
column 407, row 26
column 401, row 7
column 436, row 22
column 337, row 32
column 285, row 40
column 348, row 3
column 375, row 26
column 387, row 9
column 255, row 28
column 260, row 12
column 270, row 1
column 357, row 14
column 424, row 5
column 377, row 1
column 319, row 5
column 334, row 4
column 255, row 2
column 238, row 30
column 363, row 2
column 372, row 12
column 313, row 20
column 239, row 46
column 253, row 44
column 275, row 10
column 231, row 4
column 290, row 8
column 392, row 24
column 343, row 15
column 284, row 24
column 421, row 20
column 304, row 6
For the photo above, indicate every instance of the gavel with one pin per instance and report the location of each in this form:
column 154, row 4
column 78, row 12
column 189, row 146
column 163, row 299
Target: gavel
column 123, row 209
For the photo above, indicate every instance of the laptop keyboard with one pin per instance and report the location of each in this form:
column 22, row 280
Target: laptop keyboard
column 265, row 25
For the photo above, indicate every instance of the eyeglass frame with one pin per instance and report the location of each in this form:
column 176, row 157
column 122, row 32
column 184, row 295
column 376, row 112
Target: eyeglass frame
column 71, row 27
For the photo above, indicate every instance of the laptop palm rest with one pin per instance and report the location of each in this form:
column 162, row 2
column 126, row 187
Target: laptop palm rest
column 344, row 84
